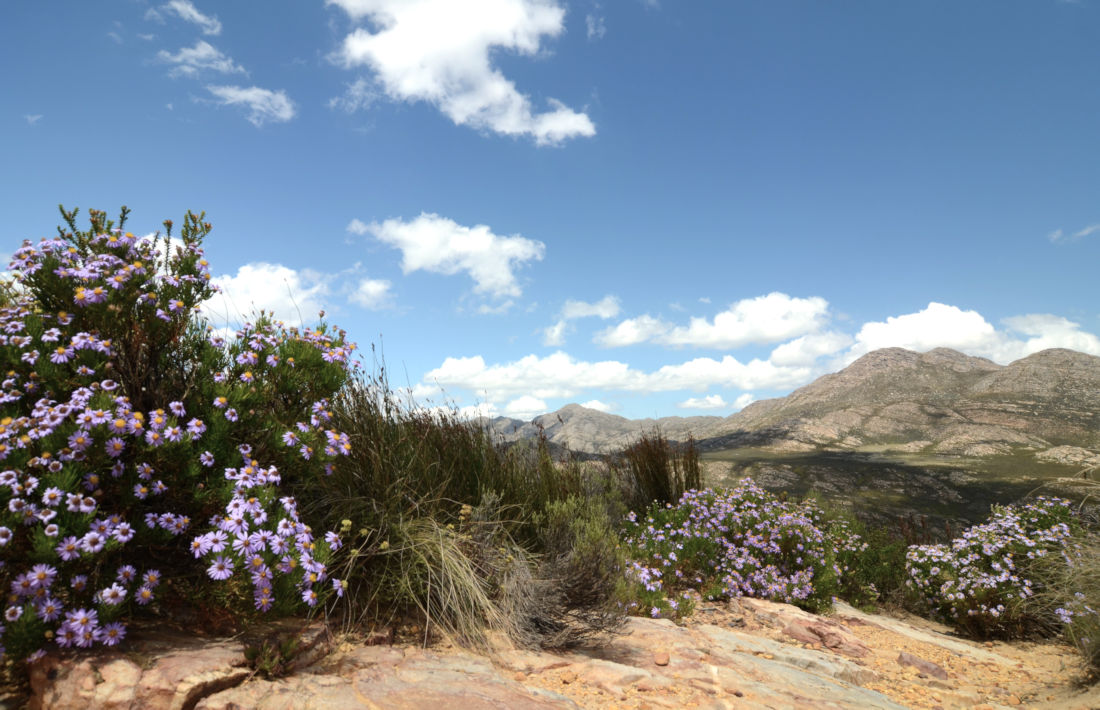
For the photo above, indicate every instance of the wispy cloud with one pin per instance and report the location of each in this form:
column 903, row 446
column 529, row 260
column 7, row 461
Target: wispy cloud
column 189, row 61
column 186, row 10
column 359, row 95
column 440, row 52
column 594, row 25
column 607, row 307
column 263, row 105
column 1058, row 235
column 32, row 118
column 442, row 246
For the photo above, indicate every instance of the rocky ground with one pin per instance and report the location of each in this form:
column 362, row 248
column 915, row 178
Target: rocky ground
column 748, row 654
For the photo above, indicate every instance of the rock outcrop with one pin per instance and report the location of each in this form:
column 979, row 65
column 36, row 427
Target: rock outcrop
column 747, row 654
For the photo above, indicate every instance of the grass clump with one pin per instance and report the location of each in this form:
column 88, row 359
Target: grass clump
column 446, row 529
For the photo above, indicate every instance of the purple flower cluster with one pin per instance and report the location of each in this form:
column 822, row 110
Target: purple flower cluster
column 83, row 465
column 738, row 542
column 980, row 580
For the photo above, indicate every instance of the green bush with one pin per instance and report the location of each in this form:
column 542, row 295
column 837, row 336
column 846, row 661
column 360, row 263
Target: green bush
column 126, row 425
column 445, row 526
column 984, row 581
column 732, row 543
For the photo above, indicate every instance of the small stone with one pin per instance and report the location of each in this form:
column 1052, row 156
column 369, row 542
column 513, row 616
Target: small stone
column 518, row 676
column 1012, row 700
column 568, row 677
column 661, row 658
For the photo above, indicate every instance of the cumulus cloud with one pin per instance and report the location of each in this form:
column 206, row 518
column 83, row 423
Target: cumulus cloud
column 186, row 10
column 632, row 331
column 372, row 294
column 525, row 407
column 189, row 61
column 1059, row 236
column 607, row 307
column 441, row 51
column 294, row 296
column 442, row 246
column 806, row 349
column 711, row 401
column 765, row 319
column 561, row 376
column 743, row 401
column 263, row 105
column 597, row 405
column 941, row 325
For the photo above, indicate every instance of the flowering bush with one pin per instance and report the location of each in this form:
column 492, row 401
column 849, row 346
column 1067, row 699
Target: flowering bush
column 733, row 543
column 135, row 440
column 981, row 581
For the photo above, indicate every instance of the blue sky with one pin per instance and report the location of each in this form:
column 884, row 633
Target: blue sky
column 653, row 208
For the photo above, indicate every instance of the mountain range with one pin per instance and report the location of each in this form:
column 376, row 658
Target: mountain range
column 940, row 426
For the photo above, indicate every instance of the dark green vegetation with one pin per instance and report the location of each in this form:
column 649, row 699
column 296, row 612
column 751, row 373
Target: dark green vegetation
column 883, row 486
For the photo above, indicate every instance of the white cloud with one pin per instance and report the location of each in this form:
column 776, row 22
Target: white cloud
column 186, row 10
column 631, row 332
column 146, row 37
column 359, row 95
column 554, row 335
column 189, row 61
column 711, row 401
column 561, row 376
column 115, row 37
column 941, row 325
column 440, row 245
column 296, row 297
column 1048, row 331
column 32, row 118
column 372, row 294
column 1059, row 236
column 806, row 349
column 764, row 319
column 263, row 105
column 938, row 325
column 607, row 307
column 525, row 407
column 440, row 51
column 595, row 26
column 597, row 405
column 743, row 401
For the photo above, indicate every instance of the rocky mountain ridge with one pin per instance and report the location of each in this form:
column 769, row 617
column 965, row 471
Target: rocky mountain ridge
column 940, row 402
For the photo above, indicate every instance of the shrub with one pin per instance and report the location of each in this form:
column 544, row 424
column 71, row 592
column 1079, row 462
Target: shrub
column 126, row 424
column 983, row 580
column 465, row 536
column 657, row 470
column 733, row 543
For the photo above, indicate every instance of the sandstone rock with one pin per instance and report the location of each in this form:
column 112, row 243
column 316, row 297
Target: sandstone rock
column 932, row 669
column 661, row 658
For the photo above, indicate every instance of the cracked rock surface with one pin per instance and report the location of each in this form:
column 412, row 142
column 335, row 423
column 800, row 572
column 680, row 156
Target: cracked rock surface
column 746, row 654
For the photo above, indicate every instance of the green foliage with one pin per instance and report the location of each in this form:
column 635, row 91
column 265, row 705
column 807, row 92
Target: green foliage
column 126, row 424
column 271, row 658
column 658, row 470
column 732, row 543
column 984, row 581
column 446, row 527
